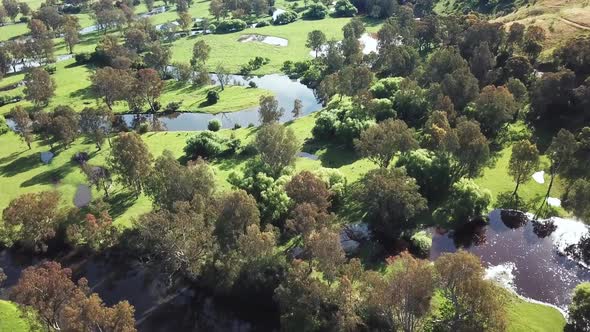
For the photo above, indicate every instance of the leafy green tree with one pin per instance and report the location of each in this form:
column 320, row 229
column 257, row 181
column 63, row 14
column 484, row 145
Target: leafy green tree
column 179, row 241
column 94, row 230
column 315, row 41
column 170, row 182
column 158, row 57
column 200, row 53
column 482, row 61
column 579, row 309
column 22, row 124
column 131, row 161
column 403, row 297
column 380, row 143
column 391, row 199
column 39, row 86
column 237, row 211
column 466, row 202
column 269, row 111
column 431, row 171
column 470, row 303
column 205, row 144
column 461, row 86
column 574, row 55
column 277, row 147
column 524, row 160
column 95, row 124
column 31, row 219
column 577, row 199
column 495, row 107
column 532, row 45
column 65, row 125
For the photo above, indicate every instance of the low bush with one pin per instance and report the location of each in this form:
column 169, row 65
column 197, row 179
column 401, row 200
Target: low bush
column 285, row 18
column 3, row 126
column 205, row 145
column 172, row 107
column 422, row 242
column 212, row 97
column 343, row 8
column 214, row 125
column 232, row 25
column 83, row 58
column 315, row 11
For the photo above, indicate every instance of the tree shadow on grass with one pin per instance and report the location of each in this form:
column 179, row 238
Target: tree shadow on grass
column 52, row 176
column 11, row 157
column 334, row 155
column 120, row 202
column 85, row 93
column 20, row 165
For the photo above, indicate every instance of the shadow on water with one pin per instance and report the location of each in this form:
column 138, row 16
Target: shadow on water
column 541, row 272
column 115, row 277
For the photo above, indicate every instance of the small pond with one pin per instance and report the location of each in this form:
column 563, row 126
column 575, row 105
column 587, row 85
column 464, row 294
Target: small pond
column 83, row 196
column 270, row 40
column 286, row 90
column 531, row 265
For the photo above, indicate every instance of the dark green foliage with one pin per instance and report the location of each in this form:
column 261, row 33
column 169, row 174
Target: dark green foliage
column 214, row 125
column 343, row 8
column 233, row 25
column 466, row 202
column 212, row 97
column 431, row 171
column 205, row 145
column 339, row 125
column 285, row 18
column 579, row 309
column 315, row 11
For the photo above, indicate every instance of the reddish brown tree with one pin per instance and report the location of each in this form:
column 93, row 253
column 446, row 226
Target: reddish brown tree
column 147, row 88
column 306, row 187
column 61, row 304
column 39, row 86
column 31, row 219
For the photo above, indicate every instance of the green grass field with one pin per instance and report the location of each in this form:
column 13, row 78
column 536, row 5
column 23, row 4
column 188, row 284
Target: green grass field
column 73, row 89
column 531, row 317
column 10, row 320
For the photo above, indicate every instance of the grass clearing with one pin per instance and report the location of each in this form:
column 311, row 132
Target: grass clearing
column 73, row 89
column 10, row 320
column 525, row 316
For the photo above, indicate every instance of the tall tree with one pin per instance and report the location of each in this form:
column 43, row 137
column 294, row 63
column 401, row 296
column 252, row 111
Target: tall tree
column 315, row 41
column 147, row 88
column 95, row 124
column 71, row 32
column 381, row 142
column 524, row 160
column 64, row 126
column 31, row 219
column 22, row 124
column 179, row 241
column 200, row 53
column 131, row 160
column 269, row 111
column 237, row 211
column 403, row 297
column 170, row 182
column 306, row 187
column 39, row 86
column 474, row 304
column 391, row 199
column 277, row 147
column 495, row 107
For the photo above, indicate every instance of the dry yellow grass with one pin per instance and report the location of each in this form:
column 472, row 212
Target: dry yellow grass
column 561, row 19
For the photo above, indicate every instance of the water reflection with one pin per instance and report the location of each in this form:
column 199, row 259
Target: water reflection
column 286, row 90
column 540, row 271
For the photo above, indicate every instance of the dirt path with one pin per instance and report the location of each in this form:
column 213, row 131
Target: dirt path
column 574, row 24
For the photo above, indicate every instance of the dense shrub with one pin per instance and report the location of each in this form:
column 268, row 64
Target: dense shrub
column 343, row 8
column 386, row 87
column 262, row 24
column 315, row 11
column 432, row 173
column 214, row 125
column 205, row 145
column 3, row 126
column 24, row 19
column 172, row 107
column 422, row 242
column 340, row 125
column 10, row 99
column 232, row 25
column 285, row 18
column 253, row 64
column 466, row 202
column 50, row 69
column 83, row 58
column 212, row 97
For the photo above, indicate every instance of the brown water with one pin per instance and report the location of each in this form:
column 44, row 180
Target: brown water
column 179, row 309
column 531, row 265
